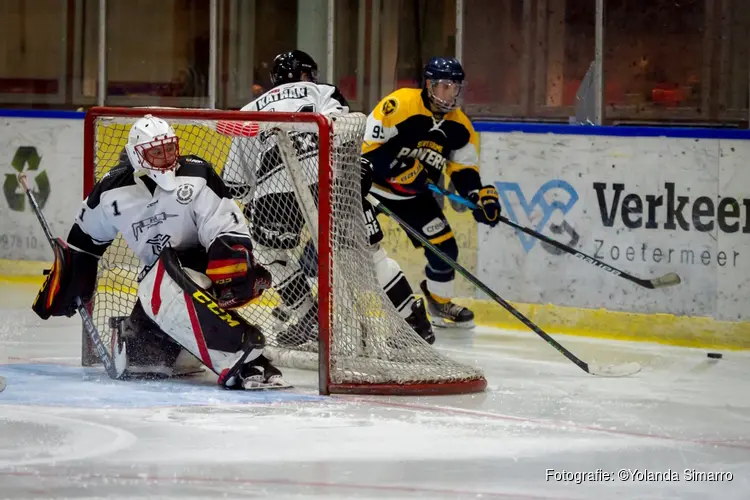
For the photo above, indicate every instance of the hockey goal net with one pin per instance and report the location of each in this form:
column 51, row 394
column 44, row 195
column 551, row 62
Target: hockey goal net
column 363, row 345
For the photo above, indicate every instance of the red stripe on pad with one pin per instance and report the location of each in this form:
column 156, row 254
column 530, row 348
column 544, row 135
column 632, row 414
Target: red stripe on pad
column 198, row 332
column 156, row 295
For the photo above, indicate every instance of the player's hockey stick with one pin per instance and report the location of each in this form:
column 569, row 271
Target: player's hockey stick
column 669, row 279
column 115, row 365
column 603, row 371
column 2, row 384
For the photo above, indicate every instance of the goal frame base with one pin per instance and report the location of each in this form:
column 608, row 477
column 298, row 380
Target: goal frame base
column 418, row 389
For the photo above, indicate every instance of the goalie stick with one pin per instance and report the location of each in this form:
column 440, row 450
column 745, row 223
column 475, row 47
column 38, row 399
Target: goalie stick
column 669, row 279
column 114, row 365
column 599, row 370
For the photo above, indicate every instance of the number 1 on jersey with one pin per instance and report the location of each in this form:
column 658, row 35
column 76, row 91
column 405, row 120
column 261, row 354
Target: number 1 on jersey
column 117, row 210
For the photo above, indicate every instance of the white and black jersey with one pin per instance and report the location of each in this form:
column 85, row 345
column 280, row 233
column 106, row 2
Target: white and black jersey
column 301, row 97
column 150, row 218
column 254, row 165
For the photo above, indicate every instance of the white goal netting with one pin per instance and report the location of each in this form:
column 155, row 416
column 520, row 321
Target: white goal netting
column 297, row 179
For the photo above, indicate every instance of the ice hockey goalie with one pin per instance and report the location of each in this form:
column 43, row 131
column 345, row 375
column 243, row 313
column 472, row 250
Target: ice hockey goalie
column 178, row 217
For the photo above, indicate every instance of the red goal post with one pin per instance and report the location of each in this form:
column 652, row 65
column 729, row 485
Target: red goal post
column 363, row 346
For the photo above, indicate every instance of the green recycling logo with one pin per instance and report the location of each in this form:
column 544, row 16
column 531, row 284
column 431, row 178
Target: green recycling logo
column 26, row 159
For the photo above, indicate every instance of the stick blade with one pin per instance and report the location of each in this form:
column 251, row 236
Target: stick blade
column 624, row 370
column 120, row 360
column 669, row 279
column 2, row 384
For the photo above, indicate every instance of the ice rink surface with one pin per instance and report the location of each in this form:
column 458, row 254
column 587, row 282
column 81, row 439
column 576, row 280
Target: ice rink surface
column 70, row 432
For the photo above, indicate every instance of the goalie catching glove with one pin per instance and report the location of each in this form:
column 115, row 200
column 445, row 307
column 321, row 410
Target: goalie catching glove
column 237, row 278
column 488, row 205
column 73, row 275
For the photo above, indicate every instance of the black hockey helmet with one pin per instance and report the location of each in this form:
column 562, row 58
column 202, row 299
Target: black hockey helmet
column 289, row 66
column 444, row 80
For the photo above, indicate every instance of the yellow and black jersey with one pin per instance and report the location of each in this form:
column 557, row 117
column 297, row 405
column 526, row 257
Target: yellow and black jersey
column 402, row 126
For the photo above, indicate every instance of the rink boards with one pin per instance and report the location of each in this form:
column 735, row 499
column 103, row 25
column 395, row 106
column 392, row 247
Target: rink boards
column 648, row 201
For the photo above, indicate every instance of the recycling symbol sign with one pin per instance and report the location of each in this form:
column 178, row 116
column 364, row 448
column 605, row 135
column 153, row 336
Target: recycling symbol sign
column 26, row 159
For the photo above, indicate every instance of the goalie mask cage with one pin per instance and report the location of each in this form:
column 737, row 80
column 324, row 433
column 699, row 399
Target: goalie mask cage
column 363, row 346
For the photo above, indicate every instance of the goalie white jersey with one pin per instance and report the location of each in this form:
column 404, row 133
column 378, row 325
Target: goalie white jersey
column 150, row 218
column 254, row 167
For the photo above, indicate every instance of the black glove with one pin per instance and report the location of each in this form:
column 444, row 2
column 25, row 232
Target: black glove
column 237, row 278
column 366, row 170
column 488, row 205
column 73, row 275
column 409, row 177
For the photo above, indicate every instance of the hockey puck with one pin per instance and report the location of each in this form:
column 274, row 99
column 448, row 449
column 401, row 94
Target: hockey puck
column 715, row 355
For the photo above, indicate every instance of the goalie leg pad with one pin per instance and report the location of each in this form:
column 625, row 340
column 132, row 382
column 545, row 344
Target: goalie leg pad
column 221, row 339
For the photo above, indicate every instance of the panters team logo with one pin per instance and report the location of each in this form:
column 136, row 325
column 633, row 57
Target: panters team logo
column 538, row 212
column 389, row 106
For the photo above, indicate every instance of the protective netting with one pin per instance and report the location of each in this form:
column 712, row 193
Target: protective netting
column 272, row 170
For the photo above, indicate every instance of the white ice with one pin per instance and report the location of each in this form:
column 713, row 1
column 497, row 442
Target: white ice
column 70, row 432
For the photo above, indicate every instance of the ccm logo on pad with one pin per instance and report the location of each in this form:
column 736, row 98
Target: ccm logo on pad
column 214, row 308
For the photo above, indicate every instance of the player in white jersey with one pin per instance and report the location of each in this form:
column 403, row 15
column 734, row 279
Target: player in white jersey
column 264, row 186
column 178, row 217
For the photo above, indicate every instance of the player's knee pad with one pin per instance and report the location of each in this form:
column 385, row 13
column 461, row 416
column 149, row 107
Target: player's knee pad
column 440, row 275
column 437, row 269
column 177, row 301
column 393, row 281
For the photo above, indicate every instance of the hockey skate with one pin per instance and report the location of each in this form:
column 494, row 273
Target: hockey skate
column 447, row 314
column 260, row 374
column 419, row 322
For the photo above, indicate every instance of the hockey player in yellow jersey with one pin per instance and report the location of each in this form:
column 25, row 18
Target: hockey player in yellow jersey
column 412, row 137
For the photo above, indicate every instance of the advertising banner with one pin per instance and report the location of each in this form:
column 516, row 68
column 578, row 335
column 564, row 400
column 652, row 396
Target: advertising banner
column 50, row 152
column 646, row 205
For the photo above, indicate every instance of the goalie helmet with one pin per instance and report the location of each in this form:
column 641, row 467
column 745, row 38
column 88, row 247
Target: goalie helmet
column 444, row 82
column 153, row 150
column 288, row 67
